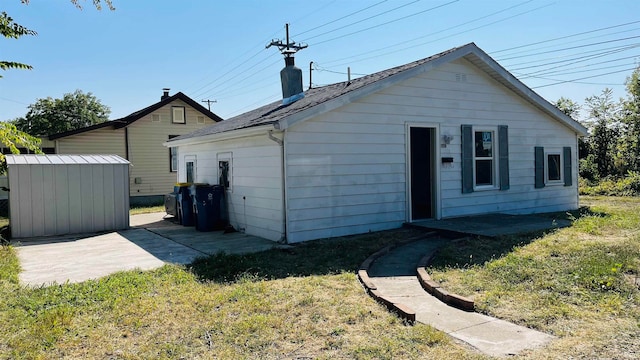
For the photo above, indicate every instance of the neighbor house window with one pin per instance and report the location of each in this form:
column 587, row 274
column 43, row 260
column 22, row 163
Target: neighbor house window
column 484, row 158
column 554, row 168
column 178, row 115
column 173, row 156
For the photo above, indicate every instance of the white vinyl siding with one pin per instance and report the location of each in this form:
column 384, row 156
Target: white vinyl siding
column 346, row 169
column 150, row 159
column 345, row 175
column 255, row 197
column 100, row 141
column 482, row 102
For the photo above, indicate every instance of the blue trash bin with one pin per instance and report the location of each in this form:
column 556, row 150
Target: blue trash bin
column 207, row 202
column 185, row 205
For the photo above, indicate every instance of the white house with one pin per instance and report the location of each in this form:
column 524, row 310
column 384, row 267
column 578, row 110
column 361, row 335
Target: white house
column 451, row 135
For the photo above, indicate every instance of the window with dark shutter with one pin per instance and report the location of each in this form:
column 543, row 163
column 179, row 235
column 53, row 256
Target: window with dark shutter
column 539, row 167
column 566, row 151
column 503, row 157
column 467, row 159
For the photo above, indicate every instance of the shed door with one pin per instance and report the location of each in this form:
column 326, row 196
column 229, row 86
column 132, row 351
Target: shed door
column 422, row 172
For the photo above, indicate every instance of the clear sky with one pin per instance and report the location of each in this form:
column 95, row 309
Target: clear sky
column 216, row 49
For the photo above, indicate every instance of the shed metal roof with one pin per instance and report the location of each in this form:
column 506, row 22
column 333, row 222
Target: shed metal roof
column 30, row 159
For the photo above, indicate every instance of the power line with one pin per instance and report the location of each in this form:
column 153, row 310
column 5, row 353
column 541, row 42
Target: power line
column 535, row 50
column 525, row 75
column 362, row 20
column 577, row 59
column 582, row 78
column 431, row 34
column 343, row 17
column 387, row 23
column 573, row 47
column 448, row 36
column 566, row 36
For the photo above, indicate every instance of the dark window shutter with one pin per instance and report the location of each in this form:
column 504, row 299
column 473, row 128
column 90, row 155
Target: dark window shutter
column 567, row 166
column 503, row 158
column 539, row 165
column 467, row 159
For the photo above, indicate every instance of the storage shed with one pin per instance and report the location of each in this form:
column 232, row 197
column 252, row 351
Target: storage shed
column 67, row 194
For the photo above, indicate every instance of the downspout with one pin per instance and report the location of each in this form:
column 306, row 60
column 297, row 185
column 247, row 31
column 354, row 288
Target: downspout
column 284, row 188
column 126, row 143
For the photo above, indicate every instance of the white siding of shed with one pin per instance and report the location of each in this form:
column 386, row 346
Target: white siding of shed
column 48, row 199
column 346, row 169
column 255, row 198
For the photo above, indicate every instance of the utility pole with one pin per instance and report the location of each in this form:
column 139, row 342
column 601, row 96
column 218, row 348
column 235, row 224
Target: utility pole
column 209, row 103
column 289, row 48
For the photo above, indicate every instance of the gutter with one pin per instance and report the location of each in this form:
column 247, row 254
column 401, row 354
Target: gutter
column 284, row 187
column 227, row 135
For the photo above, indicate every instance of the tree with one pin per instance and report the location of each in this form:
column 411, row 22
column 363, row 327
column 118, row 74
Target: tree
column 604, row 126
column 13, row 139
column 629, row 146
column 74, row 111
column 568, row 106
column 12, row 30
column 10, row 136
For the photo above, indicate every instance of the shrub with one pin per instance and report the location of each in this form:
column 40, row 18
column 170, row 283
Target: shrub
column 612, row 186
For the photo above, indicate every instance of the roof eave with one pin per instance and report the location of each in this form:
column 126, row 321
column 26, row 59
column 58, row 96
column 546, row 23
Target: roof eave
column 371, row 88
column 472, row 53
column 228, row 135
column 483, row 61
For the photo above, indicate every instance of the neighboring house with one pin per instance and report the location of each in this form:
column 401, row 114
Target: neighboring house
column 138, row 138
column 451, row 135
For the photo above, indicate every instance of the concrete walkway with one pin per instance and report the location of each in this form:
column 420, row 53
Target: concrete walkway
column 394, row 275
column 150, row 243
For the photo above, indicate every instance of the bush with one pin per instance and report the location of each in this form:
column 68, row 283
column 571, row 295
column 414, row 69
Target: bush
column 612, row 186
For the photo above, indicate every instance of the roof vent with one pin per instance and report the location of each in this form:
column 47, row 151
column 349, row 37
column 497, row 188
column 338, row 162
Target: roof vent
column 165, row 93
column 290, row 76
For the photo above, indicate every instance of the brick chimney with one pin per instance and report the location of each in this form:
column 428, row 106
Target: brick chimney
column 165, row 93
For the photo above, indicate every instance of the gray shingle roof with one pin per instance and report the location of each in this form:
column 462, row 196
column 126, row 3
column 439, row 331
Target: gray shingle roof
column 272, row 113
column 277, row 113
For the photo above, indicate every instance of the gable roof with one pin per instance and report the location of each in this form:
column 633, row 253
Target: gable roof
column 129, row 119
column 326, row 98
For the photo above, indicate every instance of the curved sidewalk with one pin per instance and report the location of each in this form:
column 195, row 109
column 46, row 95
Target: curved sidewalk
column 394, row 275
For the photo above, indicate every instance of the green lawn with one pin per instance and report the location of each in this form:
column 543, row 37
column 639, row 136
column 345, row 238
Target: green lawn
column 306, row 302
column 576, row 283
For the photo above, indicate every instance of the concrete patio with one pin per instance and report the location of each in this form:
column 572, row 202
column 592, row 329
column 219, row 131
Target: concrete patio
column 493, row 225
column 151, row 242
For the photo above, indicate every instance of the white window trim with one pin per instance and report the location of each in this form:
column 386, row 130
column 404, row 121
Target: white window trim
column 174, row 119
column 546, row 167
column 225, row 156
column 495, row 157
column 172, row 150
column 190, row 158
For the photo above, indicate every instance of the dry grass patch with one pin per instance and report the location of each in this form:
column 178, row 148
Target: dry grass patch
column 573, row 283
column 226, row 307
